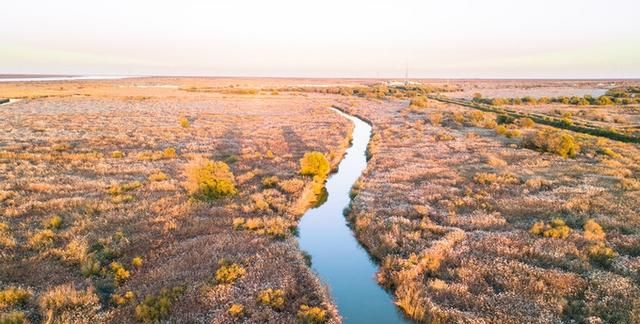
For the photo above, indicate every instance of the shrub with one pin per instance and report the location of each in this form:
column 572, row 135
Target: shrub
column 444, row 137
column 6, row 239
column 291, row 185
column 66, row 299
column 117, row 189
column 556, row 229
column 123, row 299
column 209, row 180
column 158, row 176
column 155, row 308
column 184, row 122
column 270, row 182
column 311, row 315
column 169, row 153
column 526, row 122
column 14, row 317
column 90, row 267
column 273, row 298
column 137, row 262
column 593, row 231
column 610, row 153
column 501, row 130
column 61, row 147
column 229, row 272
column 511, row 133
column 560, row 143
column 274, row 226
column 314, row 164
column 53, row 222
column 236, row 311
column 120, row 274
column 419, row 102
column 12, row 296
column 117, row 154
column 601, row 254
column 42, row 239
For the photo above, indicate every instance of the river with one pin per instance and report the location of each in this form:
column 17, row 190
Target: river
column 336, row 255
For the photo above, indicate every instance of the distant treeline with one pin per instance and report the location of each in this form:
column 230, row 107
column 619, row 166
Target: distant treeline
column 618, row 96
column 378, row 91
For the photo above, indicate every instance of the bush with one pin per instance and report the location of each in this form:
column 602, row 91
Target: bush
column 65, row 299
column 556, row 229
column 526, row 122
column 120, row 274
column 169, row 153
column 155, row 308
column 117, row 154
column 273, row 298
column 6, row 239
column 53, row 222
column 12, row 296
column 229, row 272
column 419, row 102
column 42, row 239
column 274, row 226
column 311, row 315
column 601, row 254
column 13, row 318
column 158, row 176
column 593, row 231
column 236, row 311
column 560, row 143
column 501, row 130
column 209, row 180
column 184, row 122
column 270, row 182
column 314, row 164
column 291, row 186
column 123, row 299
column 137, row 262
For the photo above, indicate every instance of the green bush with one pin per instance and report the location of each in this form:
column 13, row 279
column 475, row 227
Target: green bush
column 209, row 180
column 155, row 308
column 314, row 164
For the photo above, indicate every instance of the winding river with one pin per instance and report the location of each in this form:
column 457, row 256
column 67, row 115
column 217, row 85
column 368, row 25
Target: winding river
column 336, row 255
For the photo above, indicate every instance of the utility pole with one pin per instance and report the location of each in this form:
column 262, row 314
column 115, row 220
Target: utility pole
column 406, row 73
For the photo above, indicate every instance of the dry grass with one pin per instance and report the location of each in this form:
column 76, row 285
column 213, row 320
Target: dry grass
column 479, row 228
column 92, row 185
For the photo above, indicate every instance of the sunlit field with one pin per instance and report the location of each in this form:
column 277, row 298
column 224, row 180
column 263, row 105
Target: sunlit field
column 177, row 199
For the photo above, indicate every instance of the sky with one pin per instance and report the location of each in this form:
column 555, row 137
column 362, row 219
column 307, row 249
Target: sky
column 329, row 38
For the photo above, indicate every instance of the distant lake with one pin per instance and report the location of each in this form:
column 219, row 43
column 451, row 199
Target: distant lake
column 533, row 92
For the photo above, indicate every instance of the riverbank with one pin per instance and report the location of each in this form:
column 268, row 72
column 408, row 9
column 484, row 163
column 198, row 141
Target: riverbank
column 335, row 253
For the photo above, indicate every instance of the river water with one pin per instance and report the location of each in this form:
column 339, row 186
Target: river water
column 336, row 255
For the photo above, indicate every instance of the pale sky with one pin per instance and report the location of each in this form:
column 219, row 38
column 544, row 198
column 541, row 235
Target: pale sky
column 329, row 38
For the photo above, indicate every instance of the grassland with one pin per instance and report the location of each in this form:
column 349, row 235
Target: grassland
column 472, row 223
column 176, row 199
column 98, row 223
